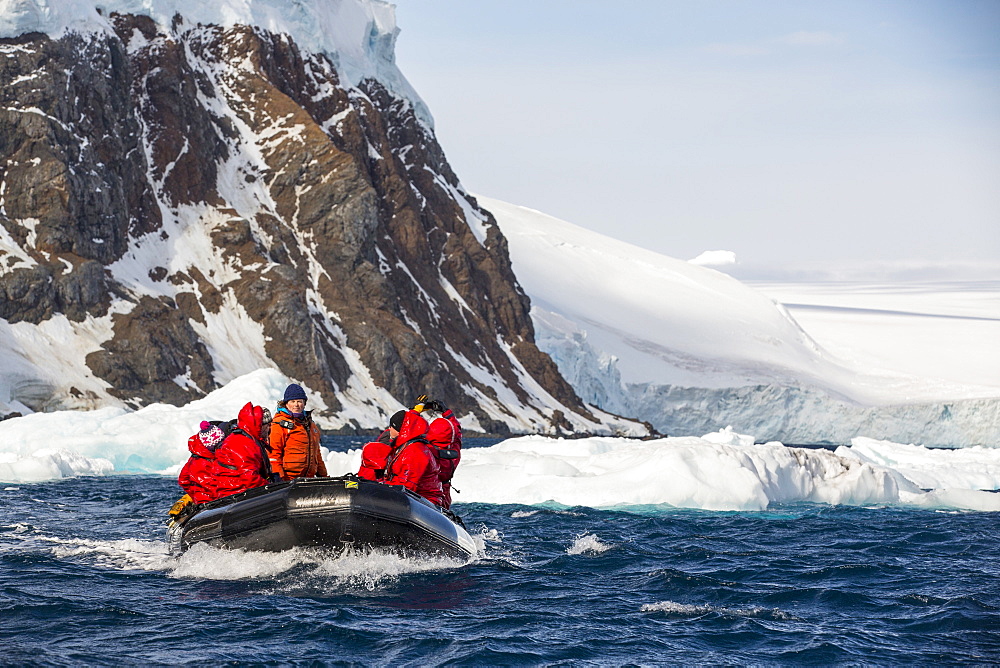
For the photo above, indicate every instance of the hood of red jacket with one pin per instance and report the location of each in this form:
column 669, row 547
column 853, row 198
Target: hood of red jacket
column 375, row 455
column 441, row 432
column 196, row 447
column 250, row 419
column 413, row 426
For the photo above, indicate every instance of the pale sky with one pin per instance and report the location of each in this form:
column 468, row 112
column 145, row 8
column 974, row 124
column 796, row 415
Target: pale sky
column 792, row 133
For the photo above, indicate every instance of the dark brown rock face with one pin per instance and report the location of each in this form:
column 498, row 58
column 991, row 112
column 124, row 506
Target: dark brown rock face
column 201, row 175
column 152, row 347
column 72, row 170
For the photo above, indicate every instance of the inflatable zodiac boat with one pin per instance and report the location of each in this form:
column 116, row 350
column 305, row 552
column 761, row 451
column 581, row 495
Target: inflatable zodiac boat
column 329, row 513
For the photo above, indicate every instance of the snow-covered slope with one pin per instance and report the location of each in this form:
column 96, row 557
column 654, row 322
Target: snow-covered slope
column 939, row 330
column 666, row 320
column 691, row 349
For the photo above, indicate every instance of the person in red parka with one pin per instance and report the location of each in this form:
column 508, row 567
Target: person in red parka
column 198, row 477
column 242, row 459
column 411, row 463
column 445, row 436
column 374, row 459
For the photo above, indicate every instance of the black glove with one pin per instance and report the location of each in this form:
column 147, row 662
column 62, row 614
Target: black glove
column 422, row 399
column 435, row 405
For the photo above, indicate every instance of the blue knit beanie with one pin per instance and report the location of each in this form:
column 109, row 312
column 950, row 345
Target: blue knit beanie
column 294, row 391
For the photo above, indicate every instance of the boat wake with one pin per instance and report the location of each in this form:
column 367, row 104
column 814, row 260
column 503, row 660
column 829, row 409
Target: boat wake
column 317, row 569
column 352, row 568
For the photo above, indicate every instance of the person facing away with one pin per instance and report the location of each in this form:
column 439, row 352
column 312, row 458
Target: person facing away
column 242, row 456
column 445, row 436
column 412, row 463
column 198, row 477
column 375, row 457
column 294, row 438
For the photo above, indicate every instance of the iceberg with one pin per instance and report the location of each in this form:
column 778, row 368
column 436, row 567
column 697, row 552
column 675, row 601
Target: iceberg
column 725, row 471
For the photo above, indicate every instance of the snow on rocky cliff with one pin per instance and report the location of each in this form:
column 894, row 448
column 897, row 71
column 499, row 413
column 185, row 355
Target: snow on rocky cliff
column 359, row 35
column 191, row 192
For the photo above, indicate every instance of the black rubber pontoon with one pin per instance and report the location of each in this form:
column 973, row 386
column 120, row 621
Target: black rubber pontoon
column 326, row 512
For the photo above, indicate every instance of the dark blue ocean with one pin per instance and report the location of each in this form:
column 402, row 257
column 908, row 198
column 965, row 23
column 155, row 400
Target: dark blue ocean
column 85, row 579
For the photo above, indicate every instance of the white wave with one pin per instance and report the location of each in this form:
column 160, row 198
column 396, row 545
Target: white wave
column 587, row 543
column 17, row 527
column 688, row 610
column 373, row 568
column 367, row 569
column 128, row 555
column 364, row 569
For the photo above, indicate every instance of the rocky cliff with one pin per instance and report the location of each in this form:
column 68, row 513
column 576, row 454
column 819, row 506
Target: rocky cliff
column 182, row 204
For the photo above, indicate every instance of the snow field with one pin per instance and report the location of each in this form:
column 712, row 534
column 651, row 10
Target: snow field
column 945, row 332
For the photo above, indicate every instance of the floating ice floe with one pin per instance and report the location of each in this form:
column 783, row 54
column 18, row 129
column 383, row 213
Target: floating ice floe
column 734, row 474
column 723, row 470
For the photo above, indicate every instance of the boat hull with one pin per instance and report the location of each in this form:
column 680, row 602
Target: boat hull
column 327, row 513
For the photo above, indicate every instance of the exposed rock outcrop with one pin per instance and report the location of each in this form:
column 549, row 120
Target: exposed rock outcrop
column 223, row 200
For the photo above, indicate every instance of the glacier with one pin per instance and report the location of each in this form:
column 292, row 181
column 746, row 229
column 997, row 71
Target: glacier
column 691, row 350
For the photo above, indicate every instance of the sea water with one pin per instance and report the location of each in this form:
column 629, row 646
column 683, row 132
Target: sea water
column 85, row 578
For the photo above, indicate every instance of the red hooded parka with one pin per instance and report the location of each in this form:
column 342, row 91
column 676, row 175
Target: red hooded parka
column 445, row 433
column 198, row 477
column 412, row 463
column 243, row 463
column 374, row 458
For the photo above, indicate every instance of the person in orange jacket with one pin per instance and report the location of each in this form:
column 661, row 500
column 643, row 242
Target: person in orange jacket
column 294, row 438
